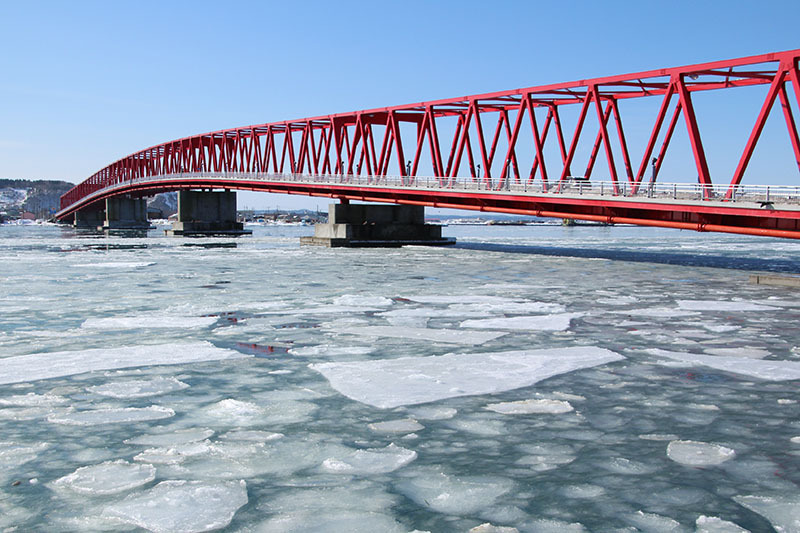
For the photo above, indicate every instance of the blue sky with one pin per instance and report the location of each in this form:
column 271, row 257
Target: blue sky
column 84, row 83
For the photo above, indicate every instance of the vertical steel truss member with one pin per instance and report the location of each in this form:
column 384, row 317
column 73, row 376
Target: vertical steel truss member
column 375, row 143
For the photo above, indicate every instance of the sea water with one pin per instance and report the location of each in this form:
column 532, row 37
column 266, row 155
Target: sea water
column 536, row 378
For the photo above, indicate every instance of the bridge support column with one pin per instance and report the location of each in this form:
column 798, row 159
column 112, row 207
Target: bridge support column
column 89, row 219
column 365, row 225
column 207, row 214
column 126, row 213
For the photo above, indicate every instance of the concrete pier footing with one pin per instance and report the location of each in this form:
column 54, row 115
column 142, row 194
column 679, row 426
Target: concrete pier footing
column 126, row 214
column 205, row 214
column 369, row 225
column 89, row 219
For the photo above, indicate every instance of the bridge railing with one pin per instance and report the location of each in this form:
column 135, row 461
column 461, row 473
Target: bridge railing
column 574, row 186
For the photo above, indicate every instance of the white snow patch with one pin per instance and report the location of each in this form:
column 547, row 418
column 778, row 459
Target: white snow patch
column 23, row 368
column 96, row 417
column 403, row 425
column 721, row 305
column 525, row 407
column 783, row 512
column 182, row 506
column 370, row 461
column 107, row 478
column 693, row 453
column 413, row 380
column 452, row 336
column 762, row 369
column 139, row 388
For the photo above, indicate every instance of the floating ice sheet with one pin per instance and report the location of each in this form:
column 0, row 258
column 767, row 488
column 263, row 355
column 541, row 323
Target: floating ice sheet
column 139, row 388
column 107, row 478
column 94, row 417
column 692, row 453
column 149, row 322
column 451, row 336
column 452, row 495
column 370, row 461
column 57, row 364
column 782, row 511
column 116, row 264
column 556, row 322
column 721, row 305
column 525, row 407
column 757, row 368
column 182, row 506
column 713, row 524
column 181, row 436
column 412, row 380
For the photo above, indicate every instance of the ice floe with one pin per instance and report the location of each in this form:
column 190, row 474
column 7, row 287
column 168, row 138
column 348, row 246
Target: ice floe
column 182, row 506
column 107, row 478
column 692, row 453
column 657, row 312
column 758, row 368
column 545, row 456
column 34, row 400
column 432, row 412
column 490, row 528
column 713, row 524
column 782, row 511
column 149, row 322
column 93, row 417
column 15, row 453
column 173, row 454
column 231, row 412
column 370, row 461
column 23, row 368
column 555, row 322
column 532, row 406
column 749, row 353
column 357, row 300
column 180, row 436
column 403, row 425
column 460, row 496
column 412, row 380
column 116, row 264
column 139, row 388
column 722, row 305
column 252, row 435
column 451, row 336
column 328, row 350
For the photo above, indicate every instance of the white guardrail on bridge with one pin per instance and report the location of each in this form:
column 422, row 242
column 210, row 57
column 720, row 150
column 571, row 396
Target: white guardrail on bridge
column 573, row 186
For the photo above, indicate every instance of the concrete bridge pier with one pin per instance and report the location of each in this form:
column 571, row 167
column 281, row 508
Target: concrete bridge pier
column 202, row 213
column 369, row 225
column 123, row 213
column 89, row 218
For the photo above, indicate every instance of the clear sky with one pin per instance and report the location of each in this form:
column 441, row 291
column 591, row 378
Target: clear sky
column 84, row 83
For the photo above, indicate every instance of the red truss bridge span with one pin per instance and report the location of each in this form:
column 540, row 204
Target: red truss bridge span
column 514, row 151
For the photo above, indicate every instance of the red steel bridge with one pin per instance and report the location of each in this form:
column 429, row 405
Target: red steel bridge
column 507, row 152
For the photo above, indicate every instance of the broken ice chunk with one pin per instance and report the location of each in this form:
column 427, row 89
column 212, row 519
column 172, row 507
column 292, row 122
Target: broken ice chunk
column 181, row 436
column 139, row 388
column 149, row 322
column 451, row 336
column 719, row 305
column 413, row 380
column 556, row 322
column 404, row 425
column 370, row 461
column 525, row 407
column 692, row 453
column 757, row 368
column 182, row 506
column 95, row 417
column 782, row 511
column 713, row 524
column 452, row 495
column 107, row 478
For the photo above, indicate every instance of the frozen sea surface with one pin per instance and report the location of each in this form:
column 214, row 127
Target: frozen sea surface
column 528, row 379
